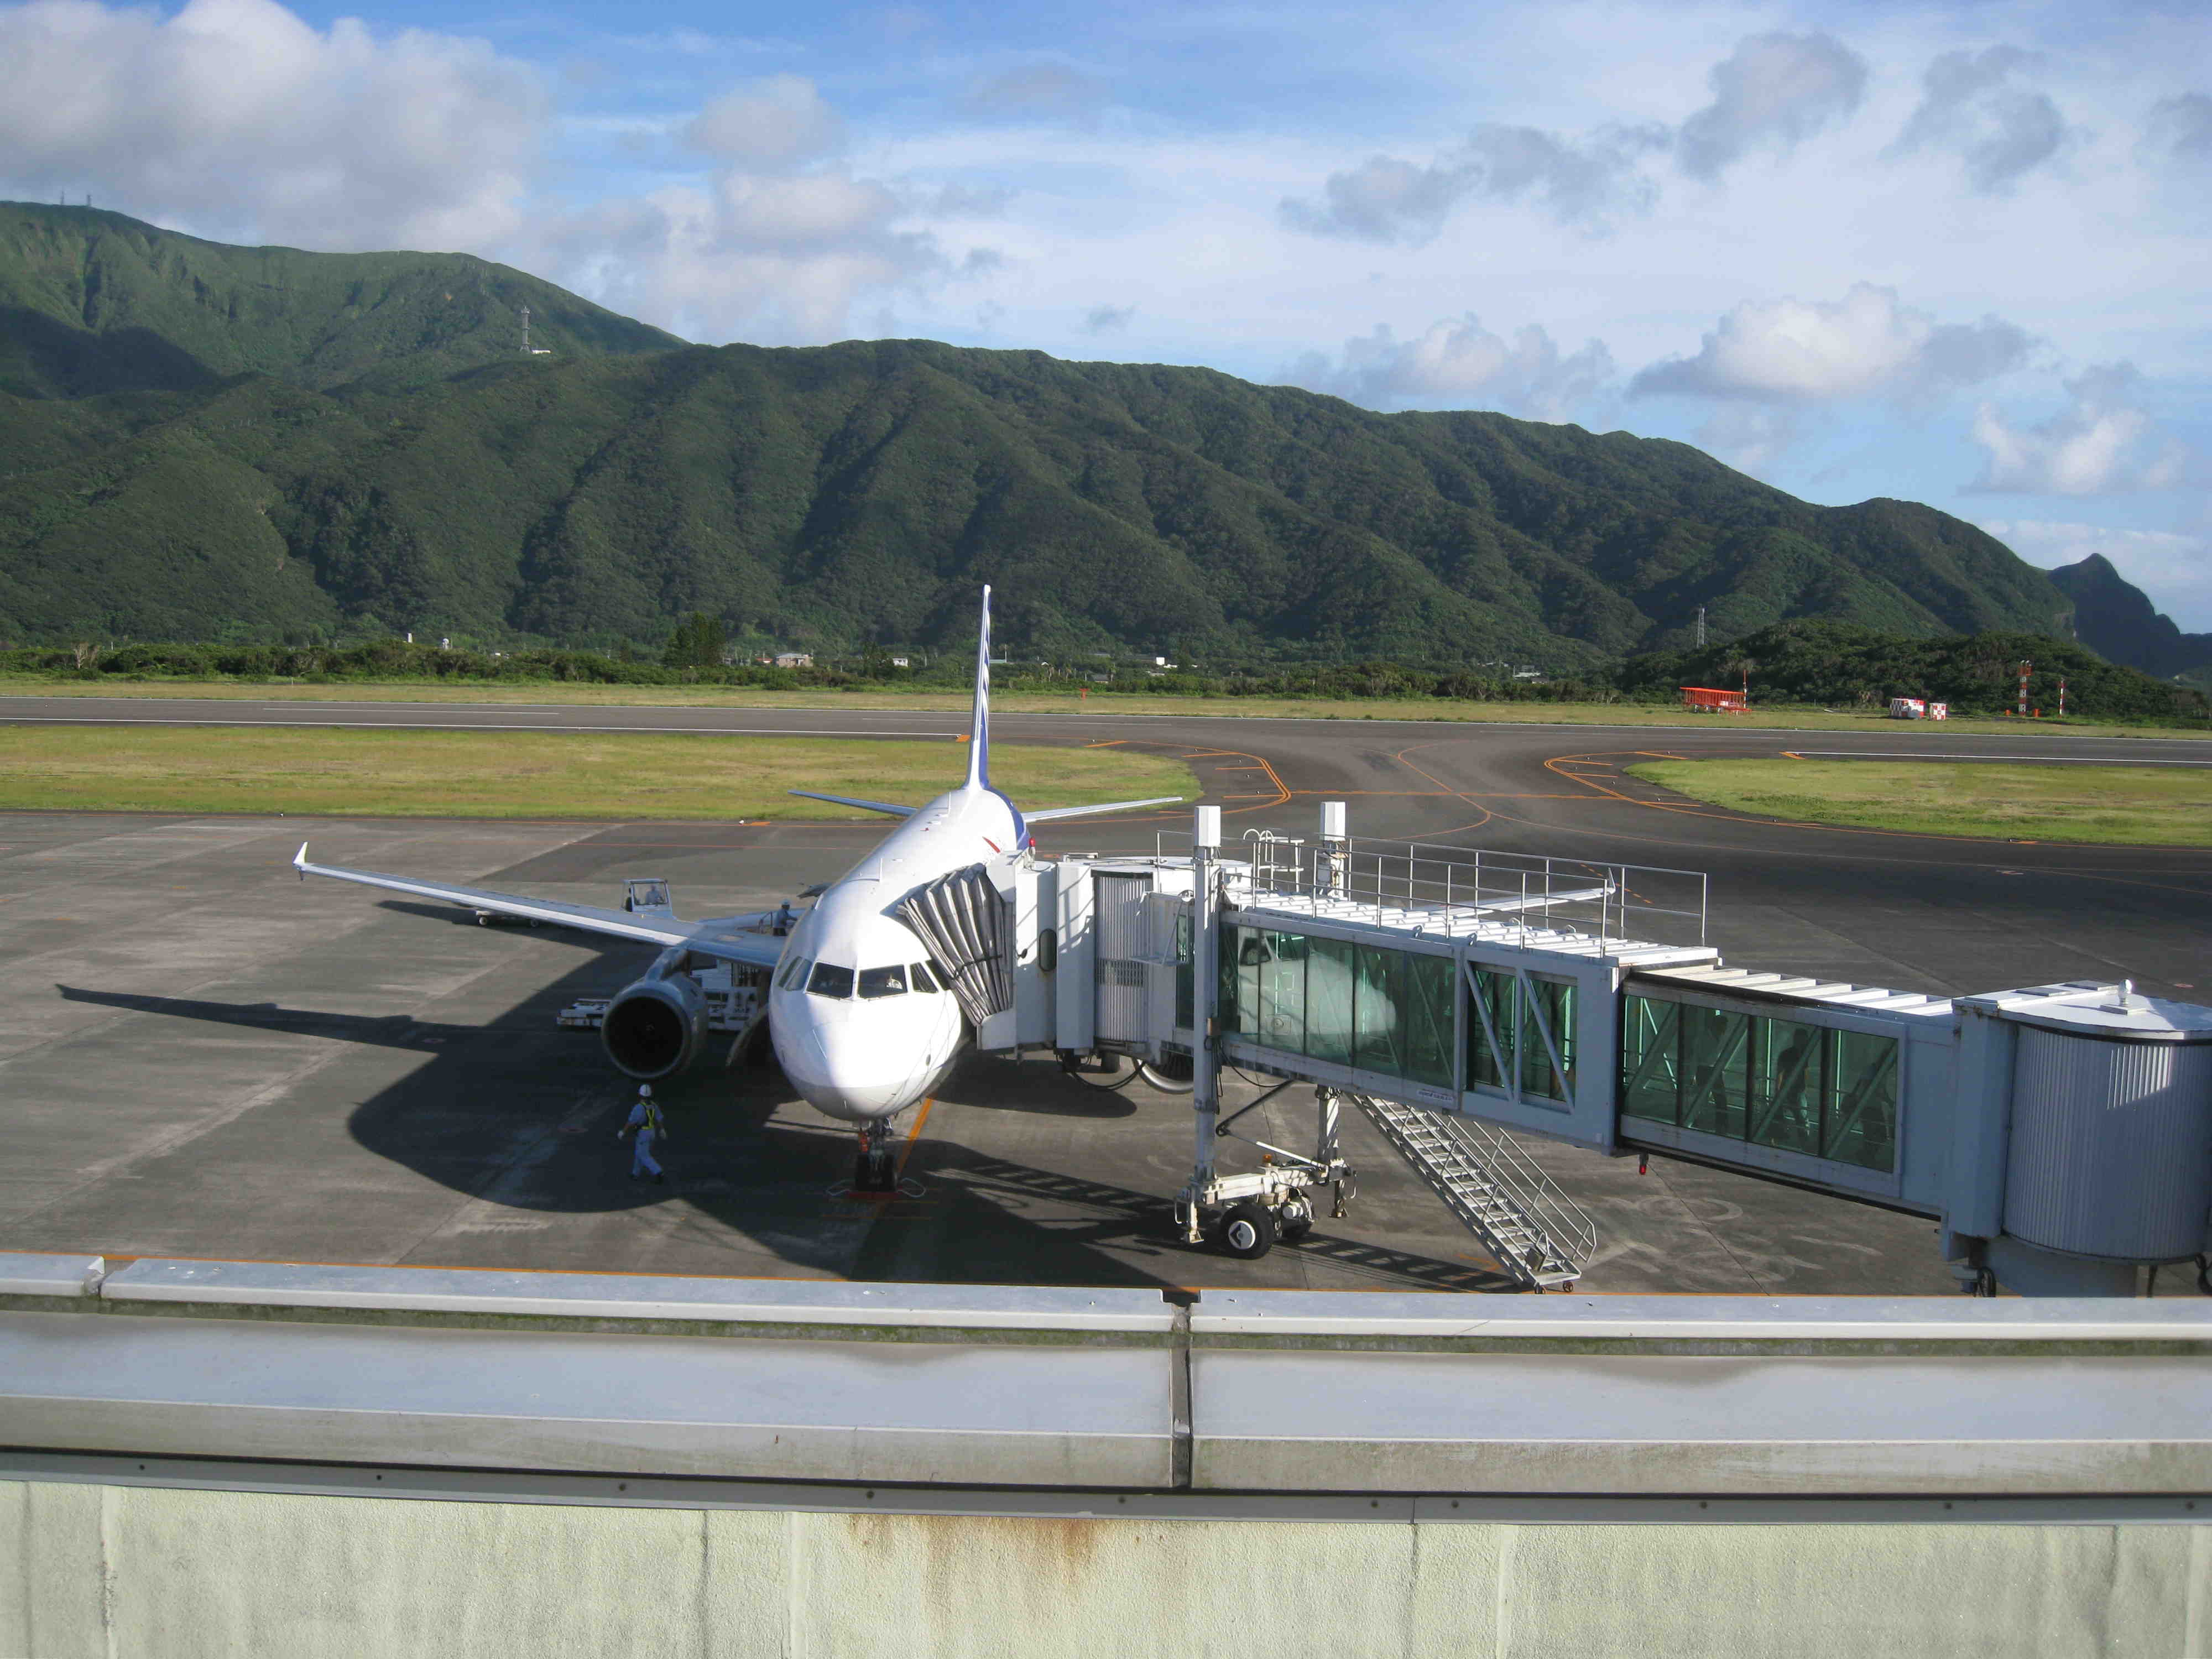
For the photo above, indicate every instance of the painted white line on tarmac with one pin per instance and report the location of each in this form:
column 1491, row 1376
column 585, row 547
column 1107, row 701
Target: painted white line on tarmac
column 1460, row 727
column 2039, row 760
column 473, row 726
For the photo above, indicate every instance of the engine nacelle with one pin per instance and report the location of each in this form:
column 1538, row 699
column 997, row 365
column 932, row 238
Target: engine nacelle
column 654, row 1030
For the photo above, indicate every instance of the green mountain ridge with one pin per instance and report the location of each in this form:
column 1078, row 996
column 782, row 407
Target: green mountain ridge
column 93, row 302
column 196, row 438
column 2115, row 618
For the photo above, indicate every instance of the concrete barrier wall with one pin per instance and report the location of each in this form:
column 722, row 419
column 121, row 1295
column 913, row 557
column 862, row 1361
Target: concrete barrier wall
column 239, row 1458
column 87, row 1571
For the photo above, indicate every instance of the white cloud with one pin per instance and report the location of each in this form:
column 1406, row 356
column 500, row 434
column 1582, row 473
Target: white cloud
column 238, row 119
column 1585, row 182
column 2175, row 570
column 2180, row 129
column 1970, row 107
column 777, row 122
column 2103, row 443
column 1108, row 319
column 780, row 241
column 1032, row 92
column 1750, row 437
column 1867, row 344
column 1457, row 358
column 1773, row 91
column 752, row 256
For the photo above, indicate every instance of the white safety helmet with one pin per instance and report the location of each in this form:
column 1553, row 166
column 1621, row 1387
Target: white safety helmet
column 645, row 1091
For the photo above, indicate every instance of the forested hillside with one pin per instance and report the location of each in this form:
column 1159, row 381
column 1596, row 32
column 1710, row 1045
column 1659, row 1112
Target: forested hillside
column 202, row 442
column 94, row 302
column 2117, row 620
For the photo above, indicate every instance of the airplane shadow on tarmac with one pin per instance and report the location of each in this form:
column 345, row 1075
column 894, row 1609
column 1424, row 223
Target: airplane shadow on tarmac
column 518, row 1113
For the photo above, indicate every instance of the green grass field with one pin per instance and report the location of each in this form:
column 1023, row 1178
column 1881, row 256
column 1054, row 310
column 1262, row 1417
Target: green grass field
column 2122, row 806
column 348, row 773
column 1017, row 703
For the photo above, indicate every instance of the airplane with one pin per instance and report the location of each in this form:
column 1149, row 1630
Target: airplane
column 863, row 1015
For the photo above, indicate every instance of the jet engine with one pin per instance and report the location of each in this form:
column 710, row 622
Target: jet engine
column 652, row 1028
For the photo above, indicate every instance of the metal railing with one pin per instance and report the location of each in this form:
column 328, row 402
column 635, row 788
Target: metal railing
column 1468, row 890
column 1539, row 1196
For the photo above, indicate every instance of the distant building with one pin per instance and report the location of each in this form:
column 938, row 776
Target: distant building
column 901, row 662
column 794, row 659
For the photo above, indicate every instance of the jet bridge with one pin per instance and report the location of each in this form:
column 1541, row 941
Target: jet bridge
column 2060, row 1135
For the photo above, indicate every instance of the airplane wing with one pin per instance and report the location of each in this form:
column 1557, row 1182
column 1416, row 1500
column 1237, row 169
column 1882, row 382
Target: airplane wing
column 1051, row 813
column 865, row 806
column 734, row 939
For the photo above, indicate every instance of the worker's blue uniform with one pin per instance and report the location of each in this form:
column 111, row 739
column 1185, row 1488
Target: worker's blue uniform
column 645, row 1118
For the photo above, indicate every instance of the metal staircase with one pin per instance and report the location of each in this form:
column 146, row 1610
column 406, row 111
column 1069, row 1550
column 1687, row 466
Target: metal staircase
column 1536, row 1232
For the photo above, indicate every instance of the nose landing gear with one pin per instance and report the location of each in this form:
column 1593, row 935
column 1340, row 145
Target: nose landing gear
column 873, row 1168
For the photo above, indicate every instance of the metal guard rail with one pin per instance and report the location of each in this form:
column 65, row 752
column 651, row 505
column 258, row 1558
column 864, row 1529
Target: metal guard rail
column 1619, row 903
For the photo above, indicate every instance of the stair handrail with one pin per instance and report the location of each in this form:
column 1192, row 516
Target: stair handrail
column 1566, row 1223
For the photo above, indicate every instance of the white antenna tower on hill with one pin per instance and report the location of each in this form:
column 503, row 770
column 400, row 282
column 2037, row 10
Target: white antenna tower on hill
column 525, row 330
column 1701, row 627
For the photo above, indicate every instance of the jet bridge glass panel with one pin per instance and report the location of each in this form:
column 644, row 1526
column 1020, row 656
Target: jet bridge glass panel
column 1367, row 1007
column 1520, row 1011
column 1328, row 999
column 1764, row 1079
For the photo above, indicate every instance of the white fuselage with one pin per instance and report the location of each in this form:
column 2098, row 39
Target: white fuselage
column 862, row 1041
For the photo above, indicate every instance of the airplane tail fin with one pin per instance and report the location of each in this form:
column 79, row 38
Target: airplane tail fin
column 979, row 731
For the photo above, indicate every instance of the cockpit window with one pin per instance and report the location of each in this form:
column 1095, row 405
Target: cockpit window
column 883, row 982
column 794, row 971
column 923, row 979
column 830, row 981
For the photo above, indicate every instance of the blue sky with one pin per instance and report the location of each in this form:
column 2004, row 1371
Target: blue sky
column 1957, row 254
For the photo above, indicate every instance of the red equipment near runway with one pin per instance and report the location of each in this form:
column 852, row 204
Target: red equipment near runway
column 1713, row 701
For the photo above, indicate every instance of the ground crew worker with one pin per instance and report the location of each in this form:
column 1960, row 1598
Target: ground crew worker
column 645, row 1119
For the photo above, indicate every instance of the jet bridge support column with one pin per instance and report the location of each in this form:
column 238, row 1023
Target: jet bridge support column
column 1205, row 982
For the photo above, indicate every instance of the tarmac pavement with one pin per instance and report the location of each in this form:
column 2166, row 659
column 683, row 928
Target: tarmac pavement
column 204, row 1057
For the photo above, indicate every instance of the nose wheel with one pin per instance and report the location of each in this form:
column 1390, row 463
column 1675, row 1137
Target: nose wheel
column 874, row 1170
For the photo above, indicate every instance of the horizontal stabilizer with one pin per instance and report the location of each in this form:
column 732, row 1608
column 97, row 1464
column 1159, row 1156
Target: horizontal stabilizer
column 1050, row 812
column 865, row 806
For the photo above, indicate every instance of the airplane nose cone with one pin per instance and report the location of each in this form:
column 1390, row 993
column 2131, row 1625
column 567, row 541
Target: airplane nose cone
column 841, row 1065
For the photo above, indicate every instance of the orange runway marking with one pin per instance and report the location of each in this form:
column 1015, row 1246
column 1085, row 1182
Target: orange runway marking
column 1457, row 794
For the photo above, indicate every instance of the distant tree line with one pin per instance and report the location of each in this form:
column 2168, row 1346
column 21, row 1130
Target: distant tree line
column 1835, row 665
column 1826, row 665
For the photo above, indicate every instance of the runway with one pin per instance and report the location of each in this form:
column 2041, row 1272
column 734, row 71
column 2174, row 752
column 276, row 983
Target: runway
column 209, row 1058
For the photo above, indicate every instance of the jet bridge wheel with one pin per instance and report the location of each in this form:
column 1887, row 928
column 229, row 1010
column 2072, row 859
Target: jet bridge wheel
column 1295, row 1218
column 1247, row 1230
